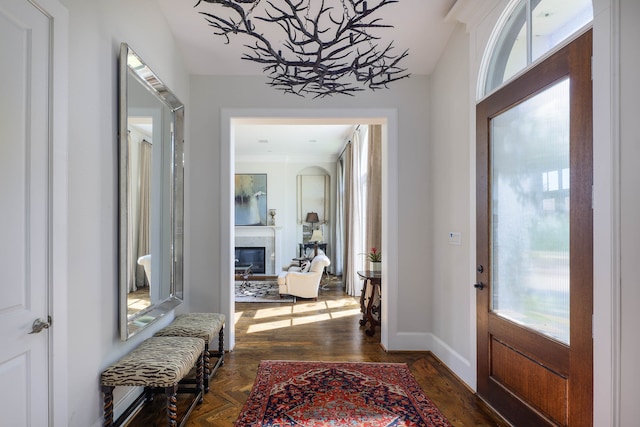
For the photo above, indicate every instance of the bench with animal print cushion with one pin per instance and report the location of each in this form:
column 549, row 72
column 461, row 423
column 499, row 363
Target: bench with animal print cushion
column 207, row 326
column 158, row 364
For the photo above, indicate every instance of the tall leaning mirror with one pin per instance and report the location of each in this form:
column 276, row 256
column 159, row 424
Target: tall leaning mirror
column 151, row 184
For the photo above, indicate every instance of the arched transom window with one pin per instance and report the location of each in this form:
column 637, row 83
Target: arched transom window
column 528, row 30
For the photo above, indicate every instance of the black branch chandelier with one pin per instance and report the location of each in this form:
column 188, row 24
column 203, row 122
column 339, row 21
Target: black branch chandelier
column 327, row 48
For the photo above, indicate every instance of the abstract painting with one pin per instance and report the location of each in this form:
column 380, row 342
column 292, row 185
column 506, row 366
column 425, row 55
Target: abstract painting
column 250, row 199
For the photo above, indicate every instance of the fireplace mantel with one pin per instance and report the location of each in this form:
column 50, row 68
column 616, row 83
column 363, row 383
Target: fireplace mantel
column 268, row 237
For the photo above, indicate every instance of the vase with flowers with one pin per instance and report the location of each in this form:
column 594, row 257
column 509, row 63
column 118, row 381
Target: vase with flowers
column 375, row 259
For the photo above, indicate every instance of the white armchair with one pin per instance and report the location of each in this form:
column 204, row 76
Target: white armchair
column 304, row 284
column 145, row 262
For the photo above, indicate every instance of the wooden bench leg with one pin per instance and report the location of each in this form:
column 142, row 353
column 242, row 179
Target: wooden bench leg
column 199, row 376
column 207, row 367
column 221, row 343
column 108, row 405
column 172, row 405
column 218, row 354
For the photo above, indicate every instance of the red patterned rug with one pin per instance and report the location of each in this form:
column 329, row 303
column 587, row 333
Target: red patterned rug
column 317, row 394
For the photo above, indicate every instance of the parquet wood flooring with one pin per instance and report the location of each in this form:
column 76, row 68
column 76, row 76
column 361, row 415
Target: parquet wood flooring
column 324, row 330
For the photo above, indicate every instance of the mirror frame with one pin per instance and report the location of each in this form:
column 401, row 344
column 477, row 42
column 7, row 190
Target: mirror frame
column 301, row 196
column 132, row 64
column 302, row 199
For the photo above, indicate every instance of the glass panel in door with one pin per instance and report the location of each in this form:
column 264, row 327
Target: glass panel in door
column 530, row 197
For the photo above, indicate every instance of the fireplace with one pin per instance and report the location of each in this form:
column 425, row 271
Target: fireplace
column 246, row 256
column 269, row 238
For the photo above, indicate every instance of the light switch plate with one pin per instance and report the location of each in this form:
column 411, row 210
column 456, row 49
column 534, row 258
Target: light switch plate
column 455, row 238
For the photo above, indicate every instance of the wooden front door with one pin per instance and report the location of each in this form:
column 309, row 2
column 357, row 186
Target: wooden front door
column 25, row 254
column 534, row 243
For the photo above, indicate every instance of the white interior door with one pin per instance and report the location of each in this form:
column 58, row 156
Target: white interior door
column 25, row 211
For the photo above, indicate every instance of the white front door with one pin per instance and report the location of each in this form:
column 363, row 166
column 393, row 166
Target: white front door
column 25, row 209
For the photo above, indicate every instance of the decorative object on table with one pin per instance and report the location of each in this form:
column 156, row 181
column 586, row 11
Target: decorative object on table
column 364, row 394
column 315, row 48
column 375, row 266
column 272, row 214
column 375, row 259
column 250, row 199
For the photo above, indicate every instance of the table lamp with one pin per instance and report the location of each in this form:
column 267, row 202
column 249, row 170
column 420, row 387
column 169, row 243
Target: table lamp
column 316, row 236
column 312, row 218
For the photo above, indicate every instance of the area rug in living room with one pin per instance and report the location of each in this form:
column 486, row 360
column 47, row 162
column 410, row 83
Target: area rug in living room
column 259, row 291
column 338, row 394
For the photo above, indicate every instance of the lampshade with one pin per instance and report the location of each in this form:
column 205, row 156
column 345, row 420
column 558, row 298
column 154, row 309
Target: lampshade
column 316, row 236
column 312, row 218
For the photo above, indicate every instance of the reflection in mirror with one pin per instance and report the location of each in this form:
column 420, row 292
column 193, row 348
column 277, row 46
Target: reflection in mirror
column 313, row 196
column 151, row 195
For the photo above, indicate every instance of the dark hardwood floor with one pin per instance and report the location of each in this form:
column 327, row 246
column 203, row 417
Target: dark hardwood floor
column 324, row 330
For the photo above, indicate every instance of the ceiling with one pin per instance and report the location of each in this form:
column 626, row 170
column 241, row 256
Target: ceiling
column 418, row 25
column 290, row 142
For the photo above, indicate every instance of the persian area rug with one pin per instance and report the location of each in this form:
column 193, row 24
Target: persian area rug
column 259, row 291
column 317, row 394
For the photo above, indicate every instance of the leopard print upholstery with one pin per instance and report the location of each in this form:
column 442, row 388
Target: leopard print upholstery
column 201, row 325
column 157, row 362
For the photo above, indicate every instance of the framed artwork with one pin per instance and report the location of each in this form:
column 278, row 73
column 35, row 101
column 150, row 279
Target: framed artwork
column 251, row 199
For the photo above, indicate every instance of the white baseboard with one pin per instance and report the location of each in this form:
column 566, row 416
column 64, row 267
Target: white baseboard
column 459, row 365
column 125, row 400
column 462, row 367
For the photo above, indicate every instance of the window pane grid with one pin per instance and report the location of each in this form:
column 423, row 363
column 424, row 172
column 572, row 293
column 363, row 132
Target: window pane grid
column 533, row 28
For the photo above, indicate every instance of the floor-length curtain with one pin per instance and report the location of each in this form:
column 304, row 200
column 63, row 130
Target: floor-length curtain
column 374, row 189
column 355, row 219
column 133, row 153
column 144, row 212
column 338, row 252
column 138, row 212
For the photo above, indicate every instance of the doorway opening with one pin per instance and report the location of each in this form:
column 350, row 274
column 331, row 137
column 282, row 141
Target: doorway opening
column 384, row 117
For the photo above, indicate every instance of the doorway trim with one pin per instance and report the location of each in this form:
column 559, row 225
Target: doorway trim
column 58, row 194
column 385, row 117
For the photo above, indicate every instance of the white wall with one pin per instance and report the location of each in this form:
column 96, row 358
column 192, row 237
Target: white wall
column 210, row 95
column 96, row 29
column 630, row 211
column 452, row 310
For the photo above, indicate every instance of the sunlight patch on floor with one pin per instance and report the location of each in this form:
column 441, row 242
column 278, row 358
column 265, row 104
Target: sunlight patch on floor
column 139, row 305
column 345, row 313
column 311, row 319
column 344, row 302
column 312, row 306
column 268, row 326
column 265, row 313
column 238, row 315
column 322, row 315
